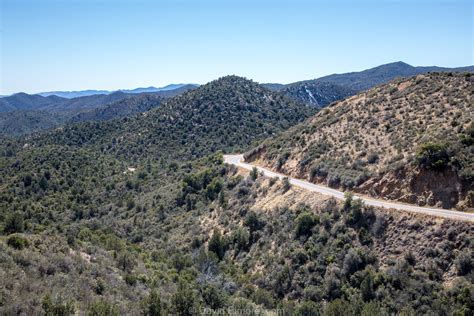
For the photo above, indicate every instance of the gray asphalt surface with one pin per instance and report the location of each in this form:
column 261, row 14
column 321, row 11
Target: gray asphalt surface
column 237, row 160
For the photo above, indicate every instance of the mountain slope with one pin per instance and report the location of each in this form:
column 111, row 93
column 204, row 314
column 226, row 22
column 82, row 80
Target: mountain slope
column 73, row 94
column 28, row 121
column 84, row 93
column 86, row 102
column 40, row 113
column 225, row 114
column 23, row 101
column 118, row 217
column 51, row 102
column 315, row 93
column 125, row 107
column 409, row 140
column 322, row 91
column 369, row 78
column 48, row 112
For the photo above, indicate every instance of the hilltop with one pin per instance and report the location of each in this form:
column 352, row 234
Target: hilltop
column 408, row 140
column 75, row 197
column 226, row 114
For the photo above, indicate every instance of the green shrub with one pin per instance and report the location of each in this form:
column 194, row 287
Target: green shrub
column 102, row 308
column 185, row 301
column 17, row 242
column 307, row 308
column 152, row 306
column 286, row 185
column 464, row 263
column 181, row 261
column 130, row 204
column 241, row 239
column 332, row 282
column 367, row 287
column 99, row 287
column 372, row 158
column 130, row 279
column 217, row 244
column 43, row 183
column 282, row 281
column 352, row 262
column 126, row 261
column 14, row 223
column 27, row 180
column 222, row 199
column 57, row 307
column 264, row 298
column 213, row 189
column 372, row 309
column 468, row 137
column 254, row 174
column 213, row 297
column 241, row 306
column 338, row 307
column 364, row 237
column 433, row 156
column 304, row 223
column 253, row 222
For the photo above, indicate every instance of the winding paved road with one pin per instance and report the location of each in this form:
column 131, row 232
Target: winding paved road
column 237, row 160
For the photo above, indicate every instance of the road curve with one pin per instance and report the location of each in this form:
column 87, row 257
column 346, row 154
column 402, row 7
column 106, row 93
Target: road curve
column 237, row 160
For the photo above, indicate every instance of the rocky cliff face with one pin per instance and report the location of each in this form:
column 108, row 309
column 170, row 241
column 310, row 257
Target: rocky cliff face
column 422, row 187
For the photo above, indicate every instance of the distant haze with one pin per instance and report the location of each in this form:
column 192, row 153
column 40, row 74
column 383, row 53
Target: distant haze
column 82, row 93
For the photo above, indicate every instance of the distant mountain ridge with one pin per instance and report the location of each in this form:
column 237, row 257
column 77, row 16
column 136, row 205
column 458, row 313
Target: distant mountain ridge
column 125, row 107
column 23, row 113
column 325, row 90
column 369, row 78
column 82, row 93
column 24, row 101
column 316, row 93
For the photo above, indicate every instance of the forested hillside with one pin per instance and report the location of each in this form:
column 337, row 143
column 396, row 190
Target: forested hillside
column 226, row 114
column 123, row 108
column 315, row 93
column 22, row 114
column 185, row 238
column 140, row 216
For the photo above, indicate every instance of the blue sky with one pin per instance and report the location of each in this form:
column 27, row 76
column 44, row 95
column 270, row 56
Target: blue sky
column 105, row 44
